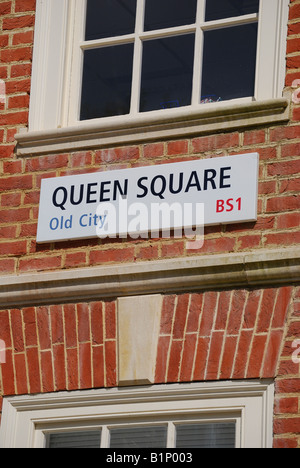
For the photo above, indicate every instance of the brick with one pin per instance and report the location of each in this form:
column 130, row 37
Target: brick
column 23, row 38
column 7, row 232
column 281, row 309
column 293, row 45
column 283, row 203
column 177, row 147
column 98, row 366
column 5, row 333
column 287, row 425
column 294, row 329
column 20, row 54
column 18, row 102
column 228, row 357
column 14, row 87
column 254, row 137
column 97, row 323
column 286, row 405
column 20, row 70
column 294, row 12
column 80, row 159
column 30, row 329
column 272, row 354
column 70, row 325
column 289, row 185
column 20, row 371
column 7, row 266
column 222, row 244
column 162, row 358
column 285, row 443
column 59, row 367
column 13, row 248
column 25, row 5
column 43, row 324
column 284, row 168
column 83, row 322
column 117, row 154
column 283, row 238
column 18, row 22
column 76, row 259
column 110, row 321
column 201, row 358
column 17, row 331
column 47, row 371
column 174, row 362
column 256, row 356
column 85, row 365
column 167, row 314
column 266, row 310
column 223, row 310
column 293, row 62
column 46, row 163
column 112, row 255
column 288, row 220
column 285, row 133
column 180, row 316
column 8, row 375
column 188, row 354
column 153, row 150
column 16, row 182
column 110, row 363
column 174, row 249
column 72, row 369
column 288, row 386
column 40, row 264
column 194, row 313
column 236, row 312
column 211, row 143
column 5, row 8
column 240, row 363
column 209, row 310
column 214, row 355
column 32, row 359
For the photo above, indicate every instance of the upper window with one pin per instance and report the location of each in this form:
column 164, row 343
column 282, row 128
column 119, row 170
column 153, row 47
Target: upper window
column 106, row 65
column 146, row 55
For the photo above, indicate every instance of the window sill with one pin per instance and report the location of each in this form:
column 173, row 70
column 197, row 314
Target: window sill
column 158, row 125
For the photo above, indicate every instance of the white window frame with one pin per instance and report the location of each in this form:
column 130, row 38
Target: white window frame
column 57, row 72
column 27, row 420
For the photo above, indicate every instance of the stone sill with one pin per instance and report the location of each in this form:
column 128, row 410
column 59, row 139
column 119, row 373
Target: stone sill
column 159, row 125
column 261, row 268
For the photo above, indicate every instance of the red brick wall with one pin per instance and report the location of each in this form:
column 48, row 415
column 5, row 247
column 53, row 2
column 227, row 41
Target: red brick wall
column 42, row 340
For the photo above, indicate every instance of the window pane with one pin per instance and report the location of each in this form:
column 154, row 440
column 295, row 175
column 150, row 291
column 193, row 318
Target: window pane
column 161, row 14
column 107, row 18
column 229, row 63
column 167, row 73
column 217, row 9
column 139, row 437
column 205, row 436
column 106, row 87
column 75, row 440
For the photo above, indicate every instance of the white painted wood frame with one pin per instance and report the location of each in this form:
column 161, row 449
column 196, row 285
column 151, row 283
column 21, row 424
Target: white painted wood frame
column 26, row 420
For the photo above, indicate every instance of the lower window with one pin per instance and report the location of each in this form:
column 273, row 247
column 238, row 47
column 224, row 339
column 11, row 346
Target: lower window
column 172, row 435
column 197, row 415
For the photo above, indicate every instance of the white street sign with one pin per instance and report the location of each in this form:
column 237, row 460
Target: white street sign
column 143, row 200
